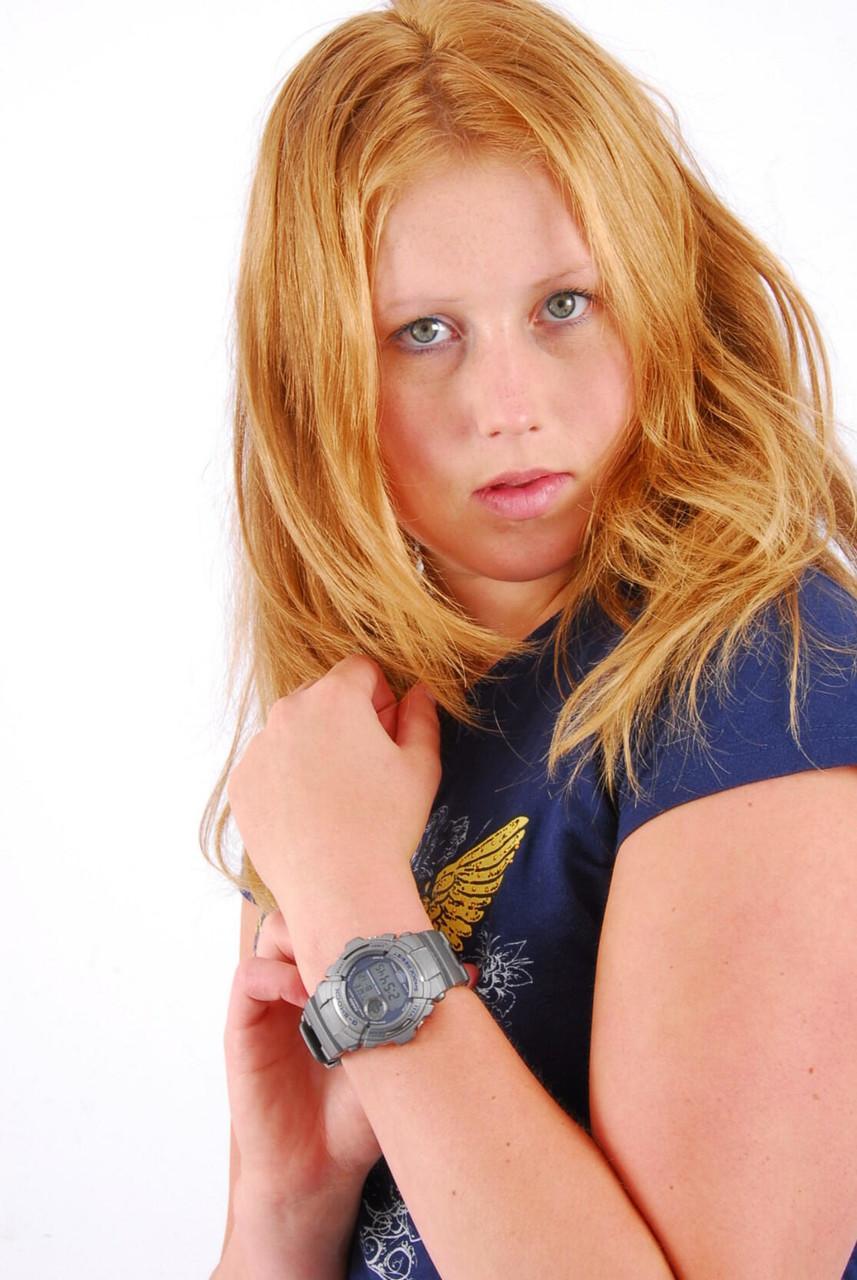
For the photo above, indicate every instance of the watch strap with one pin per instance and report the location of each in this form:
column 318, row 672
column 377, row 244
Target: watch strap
column 450, row 972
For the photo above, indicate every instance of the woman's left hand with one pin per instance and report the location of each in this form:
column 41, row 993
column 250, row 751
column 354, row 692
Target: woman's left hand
column 336, row 790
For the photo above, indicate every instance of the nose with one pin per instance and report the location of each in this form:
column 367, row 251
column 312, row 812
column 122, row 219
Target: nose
column 501, row 380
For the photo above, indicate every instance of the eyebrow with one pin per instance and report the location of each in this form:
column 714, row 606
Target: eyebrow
column 580, row 269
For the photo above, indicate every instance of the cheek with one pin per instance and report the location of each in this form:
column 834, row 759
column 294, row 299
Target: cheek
column 411, row 439
column 398, row 441
column 413, row 464
column 604, row 397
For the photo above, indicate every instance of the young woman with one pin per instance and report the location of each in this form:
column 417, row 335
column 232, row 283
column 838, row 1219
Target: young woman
column 548, row 599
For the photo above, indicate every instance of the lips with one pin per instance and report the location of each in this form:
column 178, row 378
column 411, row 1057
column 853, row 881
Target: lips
column 514, row 478
column 524, row 501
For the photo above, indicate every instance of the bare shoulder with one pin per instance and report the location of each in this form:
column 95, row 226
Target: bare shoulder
column 723, row 1069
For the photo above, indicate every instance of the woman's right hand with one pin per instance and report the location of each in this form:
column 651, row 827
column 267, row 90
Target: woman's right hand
column 298, row 1124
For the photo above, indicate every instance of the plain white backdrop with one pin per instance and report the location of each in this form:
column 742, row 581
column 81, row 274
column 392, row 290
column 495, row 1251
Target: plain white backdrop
column 128, row 138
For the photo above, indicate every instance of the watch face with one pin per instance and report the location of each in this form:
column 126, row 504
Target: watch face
column 377, row 989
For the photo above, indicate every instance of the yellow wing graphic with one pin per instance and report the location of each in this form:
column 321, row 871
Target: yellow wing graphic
column 459, row 894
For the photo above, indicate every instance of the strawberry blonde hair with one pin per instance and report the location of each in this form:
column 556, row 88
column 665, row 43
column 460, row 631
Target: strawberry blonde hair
column 728, row 482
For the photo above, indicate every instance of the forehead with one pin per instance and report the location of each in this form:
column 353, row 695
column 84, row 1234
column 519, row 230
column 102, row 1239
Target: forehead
column 464, row 223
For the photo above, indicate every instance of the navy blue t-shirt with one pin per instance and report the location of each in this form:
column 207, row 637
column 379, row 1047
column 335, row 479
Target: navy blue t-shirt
column 516, row 873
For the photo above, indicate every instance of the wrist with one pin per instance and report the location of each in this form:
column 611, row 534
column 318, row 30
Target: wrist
column 264, row 1194
column 276, row 1235
column 397, row 910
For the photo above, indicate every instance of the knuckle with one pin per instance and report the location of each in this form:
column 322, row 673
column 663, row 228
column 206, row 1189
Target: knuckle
column 345, row 668
column 279, row 711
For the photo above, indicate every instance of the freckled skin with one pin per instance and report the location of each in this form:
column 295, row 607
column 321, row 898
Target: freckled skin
column 521, row 376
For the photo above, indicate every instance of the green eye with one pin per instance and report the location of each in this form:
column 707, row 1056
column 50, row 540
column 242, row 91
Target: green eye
column 429, row 324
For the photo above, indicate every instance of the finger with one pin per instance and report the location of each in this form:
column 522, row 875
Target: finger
column 257, row 984
column 383, row 698
column 419, row 727
column 361, row 673
column 273, row 940
column 389, row 718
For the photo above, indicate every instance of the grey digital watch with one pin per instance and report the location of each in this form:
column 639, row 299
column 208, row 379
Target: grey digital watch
column 378, row 992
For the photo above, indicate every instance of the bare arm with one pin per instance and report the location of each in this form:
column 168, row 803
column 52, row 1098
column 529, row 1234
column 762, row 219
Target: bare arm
column 266, row 1236
column 249, row 915
column 275, row 1241
column 722, row 1074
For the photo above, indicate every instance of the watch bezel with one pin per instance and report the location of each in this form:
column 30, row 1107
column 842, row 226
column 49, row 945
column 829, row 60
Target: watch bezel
column 375, row 1031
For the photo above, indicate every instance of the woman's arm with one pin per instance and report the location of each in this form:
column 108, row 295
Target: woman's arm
column 723, row 1066
column 497, row 1178
column 266, row 1233
column 271, row 1240
column 722, row 1074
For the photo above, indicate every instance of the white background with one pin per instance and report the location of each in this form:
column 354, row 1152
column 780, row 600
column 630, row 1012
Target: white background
column 128, row 137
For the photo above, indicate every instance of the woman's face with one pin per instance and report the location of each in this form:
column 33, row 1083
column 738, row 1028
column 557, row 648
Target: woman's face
column 493, row 360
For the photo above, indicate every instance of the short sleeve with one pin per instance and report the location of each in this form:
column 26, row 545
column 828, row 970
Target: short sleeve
column 748, row 736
